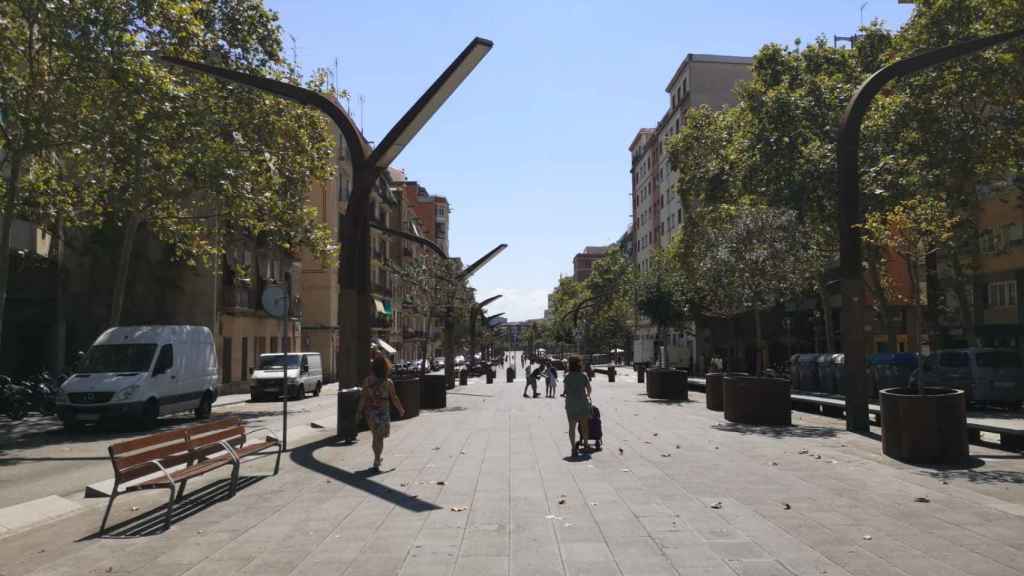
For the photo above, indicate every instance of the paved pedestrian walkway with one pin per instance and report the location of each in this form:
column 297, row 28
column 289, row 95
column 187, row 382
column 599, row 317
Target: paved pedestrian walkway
column 484, row 487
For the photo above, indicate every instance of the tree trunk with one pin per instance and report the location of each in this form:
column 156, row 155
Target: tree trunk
column 123, row 264
column 60, row 322
column 963, row 286
column 826, row 316
column 6, row 220
column 758, row 354
column 885, row 310
column 426, row 344
column 914, row 336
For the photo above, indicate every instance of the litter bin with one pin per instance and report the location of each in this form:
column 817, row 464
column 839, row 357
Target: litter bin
column 611, row 373
column 890, row 370
column 347, row 429
column 407, row 388
column 463, row 377
column 827, row 373
column 433, row 394
column 807, row 367
column 510, row 374
column 641, row 372
column 490, row 375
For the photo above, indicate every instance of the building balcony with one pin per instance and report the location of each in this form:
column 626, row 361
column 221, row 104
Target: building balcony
column 240, row 298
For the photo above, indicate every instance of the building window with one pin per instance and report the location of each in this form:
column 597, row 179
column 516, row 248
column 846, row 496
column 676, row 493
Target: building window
column 1002, row 294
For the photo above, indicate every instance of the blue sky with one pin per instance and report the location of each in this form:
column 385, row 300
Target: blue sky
column 531, row 150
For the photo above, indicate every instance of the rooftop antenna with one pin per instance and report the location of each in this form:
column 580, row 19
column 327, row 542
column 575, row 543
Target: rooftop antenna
column 362, row 103
column 335, row 79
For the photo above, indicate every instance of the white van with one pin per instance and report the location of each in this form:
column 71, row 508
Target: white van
column 142, row 372
column 305, row 373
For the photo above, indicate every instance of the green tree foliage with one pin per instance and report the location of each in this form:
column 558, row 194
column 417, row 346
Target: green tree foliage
column 662, row 295
column 196, row 161
column 609, row 321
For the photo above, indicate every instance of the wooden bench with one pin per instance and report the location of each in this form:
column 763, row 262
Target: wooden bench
column 166, row 459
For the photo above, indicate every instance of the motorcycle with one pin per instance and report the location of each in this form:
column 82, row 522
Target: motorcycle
column 42, row 395
column 13, row 399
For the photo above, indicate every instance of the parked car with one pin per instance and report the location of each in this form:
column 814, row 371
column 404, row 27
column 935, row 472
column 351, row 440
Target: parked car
column 986, row 375
column 890, row 370
column 142, row 372
column 271, row 378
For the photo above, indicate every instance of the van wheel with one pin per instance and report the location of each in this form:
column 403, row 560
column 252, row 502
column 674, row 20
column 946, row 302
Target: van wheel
column 204, row 408
column 150, row 413
column 316, row 392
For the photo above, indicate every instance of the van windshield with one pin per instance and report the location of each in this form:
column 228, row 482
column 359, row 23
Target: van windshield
column 998, row 359
column 276, row 361
column 103, row 358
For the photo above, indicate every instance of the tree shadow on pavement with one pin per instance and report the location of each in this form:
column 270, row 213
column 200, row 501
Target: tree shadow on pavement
column 305, row 456
column 974, row 470
column 794, row 431
column 152, row 522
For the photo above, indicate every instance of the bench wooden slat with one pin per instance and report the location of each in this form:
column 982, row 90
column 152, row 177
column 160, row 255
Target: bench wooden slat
column 166, row 451
column 147, row 441
column 216, row 437
column 213, row 426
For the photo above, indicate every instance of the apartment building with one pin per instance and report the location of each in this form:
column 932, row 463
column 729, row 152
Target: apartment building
column 700, row 80
column 583, row 263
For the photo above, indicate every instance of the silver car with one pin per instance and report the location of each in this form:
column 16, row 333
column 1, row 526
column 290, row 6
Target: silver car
column 986, row 375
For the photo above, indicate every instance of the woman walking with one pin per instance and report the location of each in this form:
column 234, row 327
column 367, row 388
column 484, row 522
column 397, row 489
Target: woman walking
column 577, row 402
column 378, row 392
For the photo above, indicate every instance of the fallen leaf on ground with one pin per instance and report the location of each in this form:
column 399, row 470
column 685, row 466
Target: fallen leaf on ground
column 786, row 506
column 625, row 469
column 677, row 446
column 922, row 499
column 833, row 461
column 620, row 450
column 867, row 536
column 457, row 508
column 817, row 457
column 440, row 482
column 716, row 505
column 655, row 433
column 593, row 503
column 775, row 463
column 561, row 500
column 462, row 451
column 666, row 455
column 553, row 517
column 803, row 452
column 135, row 508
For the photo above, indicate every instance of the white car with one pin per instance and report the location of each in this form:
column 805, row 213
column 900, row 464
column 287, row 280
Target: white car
column 142, row 373
column 304, row 373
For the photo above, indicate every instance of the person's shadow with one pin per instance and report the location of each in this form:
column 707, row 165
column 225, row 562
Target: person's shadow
column 581, row 457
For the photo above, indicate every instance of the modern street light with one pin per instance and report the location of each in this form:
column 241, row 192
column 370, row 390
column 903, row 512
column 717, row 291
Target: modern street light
column 474, row 310
column 850, row 216
column 368, row 165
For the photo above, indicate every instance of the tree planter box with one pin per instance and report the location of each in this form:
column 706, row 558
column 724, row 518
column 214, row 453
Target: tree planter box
column 408, row 391
column 756, row 400
column 667, row 384
column 713, row 388
column 433, row 394
column 929, row 429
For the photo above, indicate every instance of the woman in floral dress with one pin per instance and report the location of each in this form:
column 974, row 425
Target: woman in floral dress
column 377, row 391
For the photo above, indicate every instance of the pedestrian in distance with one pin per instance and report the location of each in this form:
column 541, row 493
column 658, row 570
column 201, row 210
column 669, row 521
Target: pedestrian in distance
column 577, row 403
column 551, row 377
column 531, row 380
column 374, row 404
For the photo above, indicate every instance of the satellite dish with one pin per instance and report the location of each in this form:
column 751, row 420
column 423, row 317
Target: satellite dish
column 275, row 301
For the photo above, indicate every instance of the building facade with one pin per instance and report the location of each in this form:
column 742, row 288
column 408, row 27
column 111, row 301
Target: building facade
column 700, row 80
column 583, row 263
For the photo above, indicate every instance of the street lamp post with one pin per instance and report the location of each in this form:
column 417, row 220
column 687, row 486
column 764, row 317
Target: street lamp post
column 853, row 332
column 368, row 165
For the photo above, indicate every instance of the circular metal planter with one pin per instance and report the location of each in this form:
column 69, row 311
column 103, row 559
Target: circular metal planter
column 667, row 384
column 713, row 390
column 756, row 400
column 928, row 429
column 433, row 394
column 408, row 390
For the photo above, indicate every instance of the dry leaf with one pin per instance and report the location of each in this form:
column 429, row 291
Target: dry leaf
column 561, row 500
column 620, row 450
column 440, row 482
column 666, row 455
column 786, row 506
column 922, row 499
column 457, row 508
column 867, row 536
column 803, row 452
column 716, row 505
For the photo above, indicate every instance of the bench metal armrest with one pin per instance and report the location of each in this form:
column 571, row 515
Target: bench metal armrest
column 231, row 451
column 164, row 470
column 270, row 433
